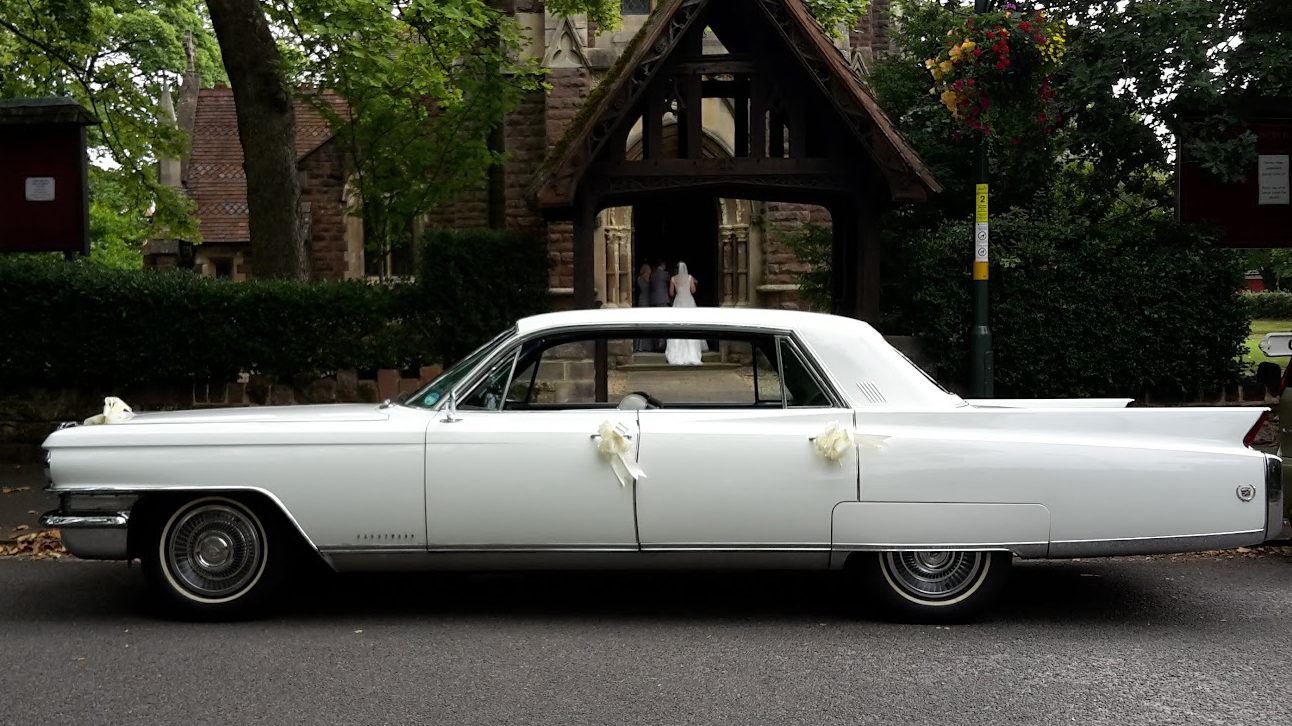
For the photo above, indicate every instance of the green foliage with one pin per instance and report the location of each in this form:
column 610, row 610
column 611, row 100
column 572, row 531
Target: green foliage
column 118, row 227
column 472, row 284
column 1268, row 305
column 81, row 324
column 1091, row 274
column 113, row 56
column 87, row 324
column 1078, row 308
column 812, row 244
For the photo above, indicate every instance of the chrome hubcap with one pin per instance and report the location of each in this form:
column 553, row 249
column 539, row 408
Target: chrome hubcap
column 934, row 575
column 214, row 550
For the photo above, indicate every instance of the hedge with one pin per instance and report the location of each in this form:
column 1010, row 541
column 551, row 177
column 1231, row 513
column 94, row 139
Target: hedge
column 1268, row 305
column 1077, row 309
column 83, row 325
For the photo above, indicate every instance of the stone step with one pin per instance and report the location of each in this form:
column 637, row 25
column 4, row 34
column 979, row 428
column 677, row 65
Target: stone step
column 663, row 365
column 641, row 358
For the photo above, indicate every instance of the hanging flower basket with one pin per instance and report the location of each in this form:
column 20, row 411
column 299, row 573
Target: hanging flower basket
column 996, row 76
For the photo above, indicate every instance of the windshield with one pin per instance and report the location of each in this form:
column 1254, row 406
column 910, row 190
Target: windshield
column 440, row 387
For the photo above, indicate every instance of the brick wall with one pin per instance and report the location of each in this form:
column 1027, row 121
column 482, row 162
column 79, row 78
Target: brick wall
column 781, row 267
column 323, row 188
column 872, row 33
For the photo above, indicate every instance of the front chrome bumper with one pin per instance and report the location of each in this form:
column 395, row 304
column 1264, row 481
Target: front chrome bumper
column 1274, row 497
column 94, row 536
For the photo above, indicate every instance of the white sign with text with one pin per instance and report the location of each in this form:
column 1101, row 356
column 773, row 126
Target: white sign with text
column 1272, row 175
column 40, row 189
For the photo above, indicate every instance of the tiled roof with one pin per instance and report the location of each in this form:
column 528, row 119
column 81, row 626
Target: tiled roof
column 216, row 182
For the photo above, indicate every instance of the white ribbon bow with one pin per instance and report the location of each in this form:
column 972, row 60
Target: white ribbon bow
column 834, row 443
column 114, row 411
column 614, row 444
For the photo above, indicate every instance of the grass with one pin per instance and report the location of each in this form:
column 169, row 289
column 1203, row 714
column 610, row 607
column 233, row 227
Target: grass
column 1254, row 356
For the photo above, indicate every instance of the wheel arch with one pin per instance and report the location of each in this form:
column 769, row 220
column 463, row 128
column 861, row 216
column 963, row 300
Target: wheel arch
column 155, row 501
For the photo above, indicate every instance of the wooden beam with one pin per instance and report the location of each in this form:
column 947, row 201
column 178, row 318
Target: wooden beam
column 712, row 66
column 653, row 123
column 798, row 131
column 742, row 126
column 868, row 252
column 694, row 119
column 585, row 267
column 758, row 118
column 776, row 135
column 725, row 89
column 723, row 167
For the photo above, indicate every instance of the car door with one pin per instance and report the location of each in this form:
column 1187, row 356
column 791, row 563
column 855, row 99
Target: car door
column 742, row 476
column 527, row 480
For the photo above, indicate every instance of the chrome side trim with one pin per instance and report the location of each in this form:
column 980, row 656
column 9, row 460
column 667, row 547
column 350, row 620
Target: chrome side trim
column 621, row 560
column 1155, row 545
column 1274, row 496
column 140, row 491
column 58, row 520
column 1026, row 550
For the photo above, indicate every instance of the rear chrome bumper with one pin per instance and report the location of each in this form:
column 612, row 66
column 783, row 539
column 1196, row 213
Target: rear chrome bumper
column 96, row 536
column 1274, row 496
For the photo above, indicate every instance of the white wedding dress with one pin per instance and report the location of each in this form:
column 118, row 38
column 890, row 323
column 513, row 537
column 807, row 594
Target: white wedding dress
column 683, row 351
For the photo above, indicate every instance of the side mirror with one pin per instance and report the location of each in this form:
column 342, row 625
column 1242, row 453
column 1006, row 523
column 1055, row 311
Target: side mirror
column 451, row 409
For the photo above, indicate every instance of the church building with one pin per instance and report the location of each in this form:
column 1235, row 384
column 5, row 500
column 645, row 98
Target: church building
column 701, row 130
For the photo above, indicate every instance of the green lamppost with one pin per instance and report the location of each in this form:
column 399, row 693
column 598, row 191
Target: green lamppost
column 980, row 352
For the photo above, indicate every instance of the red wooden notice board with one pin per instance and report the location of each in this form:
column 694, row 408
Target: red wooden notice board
column 1254, row 213
column 44, row 194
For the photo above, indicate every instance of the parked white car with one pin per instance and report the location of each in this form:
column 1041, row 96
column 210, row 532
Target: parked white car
column 803, row 441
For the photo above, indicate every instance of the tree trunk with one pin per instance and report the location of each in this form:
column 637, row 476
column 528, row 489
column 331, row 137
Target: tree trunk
column 497, row 180
column 267, row 129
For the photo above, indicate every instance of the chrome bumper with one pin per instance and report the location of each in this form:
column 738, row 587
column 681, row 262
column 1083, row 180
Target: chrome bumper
column 1274, row 496
column 96, row 536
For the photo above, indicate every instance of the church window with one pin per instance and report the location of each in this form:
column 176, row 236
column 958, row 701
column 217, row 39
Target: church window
column 634, row 7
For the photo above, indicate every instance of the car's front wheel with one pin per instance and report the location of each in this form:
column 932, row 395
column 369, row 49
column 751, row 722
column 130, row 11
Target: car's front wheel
column 213, row 557
column 932, row 585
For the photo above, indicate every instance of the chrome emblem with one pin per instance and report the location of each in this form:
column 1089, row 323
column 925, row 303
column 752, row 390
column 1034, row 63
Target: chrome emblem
column 1246, row 492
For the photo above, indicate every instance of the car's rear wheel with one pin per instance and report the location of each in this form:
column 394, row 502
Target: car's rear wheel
column 214, row 557
column 932, row 585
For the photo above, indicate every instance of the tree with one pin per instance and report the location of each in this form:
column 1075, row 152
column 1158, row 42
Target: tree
column 113, row 56
column 267, row 129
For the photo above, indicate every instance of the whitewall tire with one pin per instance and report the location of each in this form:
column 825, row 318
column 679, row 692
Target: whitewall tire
column 213, row 557
column 931, row 585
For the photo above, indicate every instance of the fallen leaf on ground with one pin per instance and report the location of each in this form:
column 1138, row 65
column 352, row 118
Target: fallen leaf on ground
column 13, row 490
column 45, row 544
column 22, row 527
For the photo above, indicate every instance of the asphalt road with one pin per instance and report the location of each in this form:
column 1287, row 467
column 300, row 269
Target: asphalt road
column 1133, row 641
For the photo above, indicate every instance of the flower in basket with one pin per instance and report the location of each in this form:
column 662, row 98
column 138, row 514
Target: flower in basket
column 996, row 74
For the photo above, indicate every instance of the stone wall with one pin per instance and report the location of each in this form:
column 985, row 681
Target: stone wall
column 322, row 186
column 28, row 415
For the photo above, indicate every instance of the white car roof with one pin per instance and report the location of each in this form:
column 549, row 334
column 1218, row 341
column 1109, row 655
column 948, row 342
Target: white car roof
column 862, row 365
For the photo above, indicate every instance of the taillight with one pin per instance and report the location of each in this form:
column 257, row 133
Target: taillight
column 1250, row 438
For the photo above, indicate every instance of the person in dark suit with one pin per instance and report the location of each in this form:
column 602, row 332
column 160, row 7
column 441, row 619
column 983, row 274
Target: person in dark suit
column 659, row 298
column 659, row 278
column 643, row 301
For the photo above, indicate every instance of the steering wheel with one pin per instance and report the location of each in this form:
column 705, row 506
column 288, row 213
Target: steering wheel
column 654, row 402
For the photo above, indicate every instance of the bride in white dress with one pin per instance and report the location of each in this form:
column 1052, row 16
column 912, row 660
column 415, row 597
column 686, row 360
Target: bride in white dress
column 682, row 351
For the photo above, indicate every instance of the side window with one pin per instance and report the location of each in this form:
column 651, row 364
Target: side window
column 801, row 387
column 556, row 375
column 767, row 377
column 487, row 395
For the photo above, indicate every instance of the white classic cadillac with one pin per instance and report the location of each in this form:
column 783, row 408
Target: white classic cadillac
column 798, row 441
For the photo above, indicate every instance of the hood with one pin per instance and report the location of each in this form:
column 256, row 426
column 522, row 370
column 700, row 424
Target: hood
column 321, row 413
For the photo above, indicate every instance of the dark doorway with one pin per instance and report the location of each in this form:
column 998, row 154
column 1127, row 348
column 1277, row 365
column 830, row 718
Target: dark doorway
column 680, row 229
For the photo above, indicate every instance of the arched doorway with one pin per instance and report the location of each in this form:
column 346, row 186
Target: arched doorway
column 712, row 235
